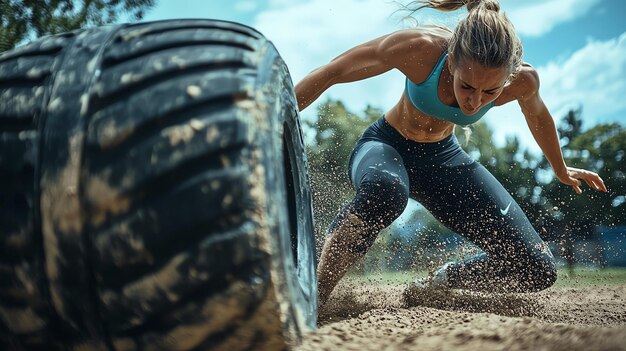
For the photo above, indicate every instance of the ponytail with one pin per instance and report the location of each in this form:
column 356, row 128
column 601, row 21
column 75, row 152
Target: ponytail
column 451, row 5
column 485, row 36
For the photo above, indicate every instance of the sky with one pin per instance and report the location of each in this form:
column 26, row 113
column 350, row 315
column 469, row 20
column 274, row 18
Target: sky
column 578, row 47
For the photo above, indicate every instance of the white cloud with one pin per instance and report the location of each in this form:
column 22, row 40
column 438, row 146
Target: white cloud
column 594, row 77
column 246, row 6
column 537, row 17
column 310, row 34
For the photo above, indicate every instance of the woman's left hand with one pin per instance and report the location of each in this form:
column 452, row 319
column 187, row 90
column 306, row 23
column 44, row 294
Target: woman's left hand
column 574, row 174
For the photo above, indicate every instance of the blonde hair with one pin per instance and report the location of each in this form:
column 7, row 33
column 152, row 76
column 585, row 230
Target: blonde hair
column 485, row 35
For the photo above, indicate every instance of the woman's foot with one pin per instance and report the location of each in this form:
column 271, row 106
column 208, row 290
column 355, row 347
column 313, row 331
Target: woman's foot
column 338, row 254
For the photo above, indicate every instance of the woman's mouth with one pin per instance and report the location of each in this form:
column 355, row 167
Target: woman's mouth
column 470, row 109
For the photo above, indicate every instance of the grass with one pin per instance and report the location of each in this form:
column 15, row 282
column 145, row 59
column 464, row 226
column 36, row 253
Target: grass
column 581, row 277
column 586, row 276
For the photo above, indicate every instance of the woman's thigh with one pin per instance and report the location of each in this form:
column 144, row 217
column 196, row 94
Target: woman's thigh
column 380, row 178
column 373, row 161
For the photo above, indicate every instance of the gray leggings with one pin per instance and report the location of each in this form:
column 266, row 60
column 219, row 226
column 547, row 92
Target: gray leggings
column 386, row 169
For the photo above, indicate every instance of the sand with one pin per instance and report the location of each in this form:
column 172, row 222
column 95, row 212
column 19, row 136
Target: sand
column 379, row 317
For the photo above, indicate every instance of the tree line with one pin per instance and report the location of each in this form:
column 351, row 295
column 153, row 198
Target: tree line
column 24, row 20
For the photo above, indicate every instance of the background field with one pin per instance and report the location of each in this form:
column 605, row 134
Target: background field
column 580, row 277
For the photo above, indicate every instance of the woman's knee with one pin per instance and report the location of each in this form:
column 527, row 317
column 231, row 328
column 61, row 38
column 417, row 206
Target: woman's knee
column 382, row 197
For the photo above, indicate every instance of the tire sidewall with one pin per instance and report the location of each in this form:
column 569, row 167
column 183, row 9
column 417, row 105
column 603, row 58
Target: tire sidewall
column 299, row 285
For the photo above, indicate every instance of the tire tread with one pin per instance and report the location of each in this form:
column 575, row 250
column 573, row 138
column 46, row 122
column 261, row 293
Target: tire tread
column 26, row 73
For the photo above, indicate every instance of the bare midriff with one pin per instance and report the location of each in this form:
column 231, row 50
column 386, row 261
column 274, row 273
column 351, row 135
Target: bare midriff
column 415, row 125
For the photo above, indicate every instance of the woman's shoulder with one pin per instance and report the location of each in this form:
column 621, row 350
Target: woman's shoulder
column 526, row 82
column 408, row 48
column 424, row 38
column 524, row 86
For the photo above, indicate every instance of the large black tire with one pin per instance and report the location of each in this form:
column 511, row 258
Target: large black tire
column 153, row 192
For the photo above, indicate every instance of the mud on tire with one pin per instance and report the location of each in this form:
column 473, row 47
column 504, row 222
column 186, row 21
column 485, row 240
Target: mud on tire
column 154, row 192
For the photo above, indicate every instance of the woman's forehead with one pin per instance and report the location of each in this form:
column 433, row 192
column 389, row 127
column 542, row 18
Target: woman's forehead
column 478, row 75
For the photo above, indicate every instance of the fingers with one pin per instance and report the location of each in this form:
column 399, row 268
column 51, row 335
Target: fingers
column 591, row 179
column 601, row 184
column 575, row 183
column 594, row 185
column 591, row 184
column 594, row 181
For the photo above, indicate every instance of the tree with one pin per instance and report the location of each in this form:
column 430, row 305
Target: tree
column 22, row 20
column 601, row 149
column 572, row 217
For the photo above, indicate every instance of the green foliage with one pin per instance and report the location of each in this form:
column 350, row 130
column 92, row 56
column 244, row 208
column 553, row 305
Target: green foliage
column 600, row 149
column 27, row 19
column 337, row 131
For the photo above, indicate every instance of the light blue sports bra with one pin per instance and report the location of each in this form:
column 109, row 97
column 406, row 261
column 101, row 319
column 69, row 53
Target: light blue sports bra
column 425, row 97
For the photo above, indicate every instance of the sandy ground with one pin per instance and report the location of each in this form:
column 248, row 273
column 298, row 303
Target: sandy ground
column 380, row 317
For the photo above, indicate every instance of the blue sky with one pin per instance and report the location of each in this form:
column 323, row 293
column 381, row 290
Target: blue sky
column 577, row 46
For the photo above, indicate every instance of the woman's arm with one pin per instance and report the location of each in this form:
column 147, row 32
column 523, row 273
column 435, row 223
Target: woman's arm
column 364, row 61
column 544, row 131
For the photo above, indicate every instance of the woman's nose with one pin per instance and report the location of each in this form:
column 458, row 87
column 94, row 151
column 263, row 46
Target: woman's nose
column 475, row 100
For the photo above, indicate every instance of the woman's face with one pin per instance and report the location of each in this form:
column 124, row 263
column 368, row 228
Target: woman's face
column 475, row 85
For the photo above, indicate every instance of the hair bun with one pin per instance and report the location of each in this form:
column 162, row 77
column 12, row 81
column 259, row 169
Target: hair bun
column 492, row 5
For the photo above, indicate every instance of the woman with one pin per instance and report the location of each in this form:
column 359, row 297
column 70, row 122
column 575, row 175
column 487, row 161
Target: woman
column 411, row 151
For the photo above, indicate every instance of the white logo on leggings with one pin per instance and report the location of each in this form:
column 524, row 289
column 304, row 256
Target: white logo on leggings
column 506, row 210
